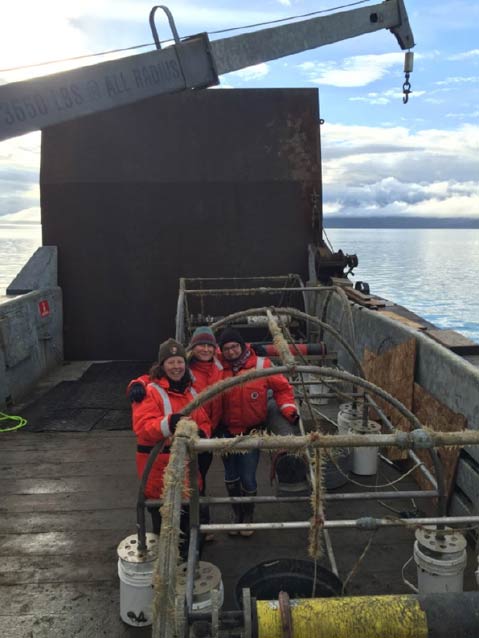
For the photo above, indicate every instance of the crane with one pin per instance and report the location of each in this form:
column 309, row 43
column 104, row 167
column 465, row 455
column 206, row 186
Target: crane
column 192, row 63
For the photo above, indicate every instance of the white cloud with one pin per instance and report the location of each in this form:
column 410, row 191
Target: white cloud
column 386, row 97
column 19, row 173
column 251, row 72
column 463, row 116
column 285, row 3
column 465, row 55
column 393, row 171
column 32, row 31
column 25, row 216
column 458, row 80
column 355, row 71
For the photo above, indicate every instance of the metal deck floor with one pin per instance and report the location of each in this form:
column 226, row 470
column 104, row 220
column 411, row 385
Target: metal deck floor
column 68, row 499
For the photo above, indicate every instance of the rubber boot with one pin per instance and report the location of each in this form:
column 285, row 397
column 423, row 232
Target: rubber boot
column 234, row 489
column 248, row 512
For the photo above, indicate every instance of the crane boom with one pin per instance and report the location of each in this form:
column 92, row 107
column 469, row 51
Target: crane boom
column 192, row 63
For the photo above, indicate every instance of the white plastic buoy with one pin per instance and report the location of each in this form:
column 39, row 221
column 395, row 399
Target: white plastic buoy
column 207, row 580
column 135, row 570
column 365, row 459
column 440, row 561
column 348, row 414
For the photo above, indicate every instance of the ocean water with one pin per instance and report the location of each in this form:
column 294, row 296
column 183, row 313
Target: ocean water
column 434, row 272
column 18, row 242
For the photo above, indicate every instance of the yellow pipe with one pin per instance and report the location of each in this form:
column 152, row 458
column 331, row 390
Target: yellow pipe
column 358, row 617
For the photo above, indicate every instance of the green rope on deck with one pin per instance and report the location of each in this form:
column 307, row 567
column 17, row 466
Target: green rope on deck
column 19, row 420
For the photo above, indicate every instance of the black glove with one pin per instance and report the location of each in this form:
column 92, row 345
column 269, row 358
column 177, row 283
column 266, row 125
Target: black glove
column 174, row 418
column 202, row 434
column 137, row 393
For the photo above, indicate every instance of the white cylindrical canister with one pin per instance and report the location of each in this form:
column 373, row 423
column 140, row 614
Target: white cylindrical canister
column 317, row 390
column 207, row 579
column 349, row 413
column 365, row 459
column 440, row 560
column 135, row 570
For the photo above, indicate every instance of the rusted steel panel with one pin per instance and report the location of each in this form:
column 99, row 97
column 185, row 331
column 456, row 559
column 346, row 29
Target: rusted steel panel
column 200, row 184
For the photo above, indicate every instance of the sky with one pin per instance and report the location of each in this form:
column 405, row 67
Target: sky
column 380, row 157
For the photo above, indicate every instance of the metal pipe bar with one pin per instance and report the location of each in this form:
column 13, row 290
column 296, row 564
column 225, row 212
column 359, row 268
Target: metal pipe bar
column 266, row 277
column 225, row 615
column 191, row 567
column 260, row 290
column 330, row 552
column 415, row 439
column 274, row 500
column 412, row 455
column 350, row 394
column 298, row 314
column 194, row 523
column 366, row 524
column 346, row 496
column 322, row 372
column 323, row 416
column 194, row 492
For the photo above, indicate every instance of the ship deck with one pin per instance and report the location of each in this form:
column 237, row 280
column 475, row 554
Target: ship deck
column 68, row 498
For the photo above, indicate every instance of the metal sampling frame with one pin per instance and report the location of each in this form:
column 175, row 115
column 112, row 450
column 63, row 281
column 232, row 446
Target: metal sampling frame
column 186, row 446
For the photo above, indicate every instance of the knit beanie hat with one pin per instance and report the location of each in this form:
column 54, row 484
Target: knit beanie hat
column 202, row 335
column 170, row 348
column 230, row 334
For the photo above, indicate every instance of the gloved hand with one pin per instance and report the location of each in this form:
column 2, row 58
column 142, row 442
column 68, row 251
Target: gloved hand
column 291, row 415
column 295, row 419
column 137, row 393
column 202, row 434
column 173, row 422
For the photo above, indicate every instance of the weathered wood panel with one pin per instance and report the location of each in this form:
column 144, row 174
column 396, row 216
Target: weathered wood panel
column 393, row 371
column 438, row 417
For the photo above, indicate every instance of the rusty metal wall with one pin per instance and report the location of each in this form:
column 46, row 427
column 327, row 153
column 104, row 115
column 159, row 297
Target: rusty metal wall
column 198, row 184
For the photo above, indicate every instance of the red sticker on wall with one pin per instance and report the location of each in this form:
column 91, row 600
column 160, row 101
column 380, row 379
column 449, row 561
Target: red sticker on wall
column 44, row 308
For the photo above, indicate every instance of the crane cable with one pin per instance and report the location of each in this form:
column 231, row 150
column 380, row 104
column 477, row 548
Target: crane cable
column 150, row 44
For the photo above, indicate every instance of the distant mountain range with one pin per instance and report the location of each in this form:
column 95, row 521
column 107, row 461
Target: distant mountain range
column 32, row 216
column 331, row 221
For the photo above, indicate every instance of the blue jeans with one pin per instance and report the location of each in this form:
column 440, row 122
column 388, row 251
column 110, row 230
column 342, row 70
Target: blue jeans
column 243, row 467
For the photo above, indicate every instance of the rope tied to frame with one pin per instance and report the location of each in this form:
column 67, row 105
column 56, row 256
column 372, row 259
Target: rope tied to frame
column 315, row 548
column 165, row 582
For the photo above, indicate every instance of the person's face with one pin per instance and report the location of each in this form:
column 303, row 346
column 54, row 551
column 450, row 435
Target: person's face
column 231, row 350
column 203, row 351
column 174, row 368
